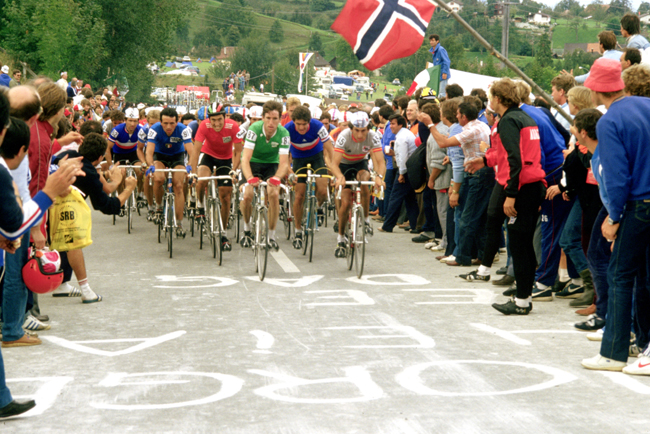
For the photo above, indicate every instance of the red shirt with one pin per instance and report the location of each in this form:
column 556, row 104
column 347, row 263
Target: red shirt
column 39, row 154
column 285, row 118
column 218, row 144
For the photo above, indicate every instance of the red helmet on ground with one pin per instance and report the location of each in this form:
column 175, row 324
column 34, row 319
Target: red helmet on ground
column 41, row 274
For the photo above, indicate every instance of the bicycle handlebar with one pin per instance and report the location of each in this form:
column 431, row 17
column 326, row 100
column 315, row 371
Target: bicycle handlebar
column 340, row 189
column 208, row 178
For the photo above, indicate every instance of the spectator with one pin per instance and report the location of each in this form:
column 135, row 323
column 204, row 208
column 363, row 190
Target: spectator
column 440, row 57
column 637, row 80
column 402, row 148
column 630, row 56
column 15, row 78
column 454, row 91
column 71, row 90
column 4, row 76
column 607, row 41
column 560, row 86
column 631, row 29
column 624, row 155
column 63, row 81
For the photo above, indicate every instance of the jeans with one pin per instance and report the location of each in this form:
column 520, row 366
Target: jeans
column 402, row 193
column 571, row 239
column 442, row 89
column 458, row 212
column 432, row 225
column 554, row 214
column 598, row 257
column 14, row 293
column 390, row 178
column 5, row 394
column 451, row 230
column 521, row 230
column 628, row 258
column 442, row 207
column 472, row 222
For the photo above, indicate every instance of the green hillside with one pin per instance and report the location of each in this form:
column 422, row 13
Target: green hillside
column 588, row 31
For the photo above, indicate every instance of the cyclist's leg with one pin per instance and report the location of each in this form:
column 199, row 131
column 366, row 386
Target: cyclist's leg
column 247, row 207
column 321, row 190
column 158, row 181
column 364, row 175
column 178, row 182
column 300, row 190
column 204, row 171
column 344, row 210
column 225, row 189
column 273, row 194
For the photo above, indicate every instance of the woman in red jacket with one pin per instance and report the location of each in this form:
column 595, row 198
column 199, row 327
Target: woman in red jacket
column 519, row 192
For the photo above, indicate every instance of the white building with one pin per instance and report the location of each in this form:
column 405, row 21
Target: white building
column 539, row 19
column 456, row 6
column 645, row 19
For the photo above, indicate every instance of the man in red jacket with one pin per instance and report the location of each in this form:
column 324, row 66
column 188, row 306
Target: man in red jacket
column 518, row 194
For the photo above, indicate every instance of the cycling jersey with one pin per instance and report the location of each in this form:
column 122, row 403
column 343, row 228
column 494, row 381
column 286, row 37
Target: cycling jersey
column 218, row 144
column 123, row 142
column 310, row 143
column 243, row 129
column 354, row 152
column 267, row 151
column 169, row 145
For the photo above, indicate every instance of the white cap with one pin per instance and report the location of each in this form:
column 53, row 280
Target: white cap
column 334, row 113
column 315, row 112
column 374, row 110
column 242, row 111
column 359, row 119
column 63, row 73
column 342, row 117
column 181, row 110
column 132, row 113
column 5, row 69
column 140, row 106
column 255, row 112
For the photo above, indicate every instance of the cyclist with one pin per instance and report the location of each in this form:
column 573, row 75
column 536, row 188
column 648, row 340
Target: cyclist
column 213, row 148
column 167, row 143
column 310, row 144
column 127, row 140
column 153, row 116
column 265, row 156
column 350, row 162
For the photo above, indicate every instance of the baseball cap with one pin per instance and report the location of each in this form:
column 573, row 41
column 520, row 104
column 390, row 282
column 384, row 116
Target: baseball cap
column 5, row 69
column 605, row 76
column 78, row 108
column 255, row 112
column 132, row 113
column 359, row 119
column 67, row 113
column 140, row 106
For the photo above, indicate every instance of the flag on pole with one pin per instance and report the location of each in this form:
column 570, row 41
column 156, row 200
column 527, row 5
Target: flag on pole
column 430, row 77
column 383, row 30
column 303, row 58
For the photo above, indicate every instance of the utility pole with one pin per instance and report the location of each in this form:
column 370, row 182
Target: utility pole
column 505, row 34
column 273, row 79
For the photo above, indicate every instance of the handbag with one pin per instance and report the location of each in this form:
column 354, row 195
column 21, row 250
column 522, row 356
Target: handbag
column 70, row 222
column 416, row 167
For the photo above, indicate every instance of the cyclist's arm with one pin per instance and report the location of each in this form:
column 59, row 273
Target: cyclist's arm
column 151, row 146
column 379, row 164
column 336, row 161
column 246, row 163
column 283, row 168
column 194, row 160
column 189, row 148
column 107, row 156
column 140, row 152
column 328, row 153
column 236, row 155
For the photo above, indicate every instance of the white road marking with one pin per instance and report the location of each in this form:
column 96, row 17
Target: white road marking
column 289, row 283
column 355, row 375
column 404, row 279
column 145, row 343
column 360, row 298
column 285, row 262
column 501, row 333
column 410, row 378
column 216, row 281
column 45, row 396
column 265, row 341
column 230, row 385
column 478, row 295
column 627, row 381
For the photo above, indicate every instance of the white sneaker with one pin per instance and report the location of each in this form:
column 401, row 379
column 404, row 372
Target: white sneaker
column 450, row 258
column 31, row 323
column 596, row 336
column 430, row 245
column 640, row 367
column 600, row 363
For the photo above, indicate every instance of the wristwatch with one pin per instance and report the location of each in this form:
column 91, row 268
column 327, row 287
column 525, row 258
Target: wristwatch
column 429, row 126
column 611, row 222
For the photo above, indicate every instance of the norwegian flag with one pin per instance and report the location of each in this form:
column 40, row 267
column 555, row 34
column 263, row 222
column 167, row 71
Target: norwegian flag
column 383, row 30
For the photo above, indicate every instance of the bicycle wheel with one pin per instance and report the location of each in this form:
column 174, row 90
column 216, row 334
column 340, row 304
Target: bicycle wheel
column 129, row 213
column 306, row 221
column 349, row 233
column 360, row 241
column 201, row 229
column 216, row 217
column 261, row 243
column 312, row 227
column 192, row 221
column 234, row 213
column 170, row 227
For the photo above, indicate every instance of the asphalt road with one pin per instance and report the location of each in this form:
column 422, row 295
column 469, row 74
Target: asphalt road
column 183, row 345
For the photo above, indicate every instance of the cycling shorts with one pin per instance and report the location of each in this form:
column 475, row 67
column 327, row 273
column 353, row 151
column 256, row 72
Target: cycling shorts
column 170, row 161
column 317, row 162
column 223, row 168
column 350, row 171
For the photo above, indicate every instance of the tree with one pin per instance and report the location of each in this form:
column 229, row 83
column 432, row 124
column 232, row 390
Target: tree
column 233, row 36
column 286, row 77
column 644, row 8
column 567, row 5
column 276, row 33
column 345, row 57
column 255, row 56
column 315, row 44
column 301, row 16
column 232, row 12
column 618, row 7
column 454, row 48
column 575, row 26
column 321, row 5
column 208, row 37
column 543, row 54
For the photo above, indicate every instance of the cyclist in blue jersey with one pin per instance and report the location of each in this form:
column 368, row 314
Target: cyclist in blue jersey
column 167, row 144
column 310, row 144
column 153, row 116
column 126, row 143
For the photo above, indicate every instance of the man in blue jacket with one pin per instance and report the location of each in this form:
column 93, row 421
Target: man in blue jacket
column 440, row 57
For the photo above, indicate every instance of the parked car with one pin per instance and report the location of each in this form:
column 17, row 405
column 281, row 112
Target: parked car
column 396, row 82
column 187, row 59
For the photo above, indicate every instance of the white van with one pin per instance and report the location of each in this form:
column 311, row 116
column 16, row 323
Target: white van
column 259, row 98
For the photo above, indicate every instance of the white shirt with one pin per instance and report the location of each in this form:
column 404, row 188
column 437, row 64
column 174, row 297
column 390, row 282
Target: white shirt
column 62, row 83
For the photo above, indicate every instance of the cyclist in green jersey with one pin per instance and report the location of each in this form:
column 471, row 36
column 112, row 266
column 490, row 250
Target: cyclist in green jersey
column 265, row 157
